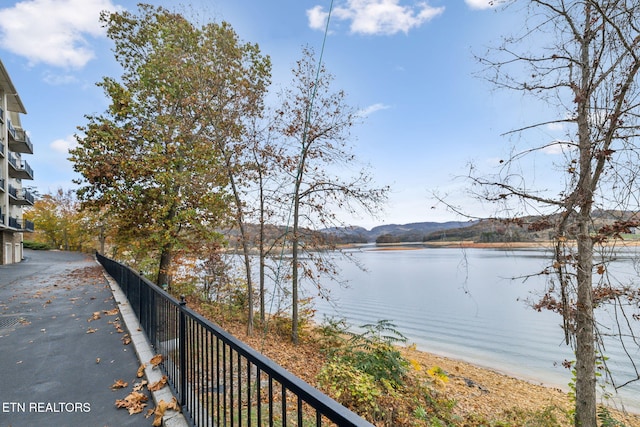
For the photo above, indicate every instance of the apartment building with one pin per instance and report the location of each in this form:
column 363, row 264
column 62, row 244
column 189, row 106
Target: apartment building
column 14, row 172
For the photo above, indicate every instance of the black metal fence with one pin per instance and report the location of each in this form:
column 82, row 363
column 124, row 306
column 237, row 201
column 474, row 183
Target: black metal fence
column 220, row 381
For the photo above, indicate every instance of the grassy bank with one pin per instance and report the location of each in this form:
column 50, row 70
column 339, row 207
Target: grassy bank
column 432, row 390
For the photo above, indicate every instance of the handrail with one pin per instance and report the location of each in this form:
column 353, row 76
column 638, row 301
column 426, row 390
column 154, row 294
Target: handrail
column 219, row 380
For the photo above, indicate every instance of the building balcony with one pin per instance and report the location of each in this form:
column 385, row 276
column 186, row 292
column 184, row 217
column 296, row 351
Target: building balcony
column 11, row 130
column 21, row 225
column 13, row 223
column 19, row 170
column 20, row 197
column 19, row 141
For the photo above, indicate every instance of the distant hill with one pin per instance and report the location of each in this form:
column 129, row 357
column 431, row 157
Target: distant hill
column 415, row 232
column 523, row 229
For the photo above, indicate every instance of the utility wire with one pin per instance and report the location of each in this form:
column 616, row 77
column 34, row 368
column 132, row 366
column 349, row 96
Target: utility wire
column 305, row 136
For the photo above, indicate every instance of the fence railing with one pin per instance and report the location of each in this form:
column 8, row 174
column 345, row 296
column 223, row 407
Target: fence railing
column 218, row 380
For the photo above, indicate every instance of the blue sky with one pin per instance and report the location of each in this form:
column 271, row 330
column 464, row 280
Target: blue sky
column 408, row 63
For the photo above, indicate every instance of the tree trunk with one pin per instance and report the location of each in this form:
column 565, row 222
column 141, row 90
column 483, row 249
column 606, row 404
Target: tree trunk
column 247, row 266
column 262, row 265
column 585, row 339
column 164, row 276
column 294, row 271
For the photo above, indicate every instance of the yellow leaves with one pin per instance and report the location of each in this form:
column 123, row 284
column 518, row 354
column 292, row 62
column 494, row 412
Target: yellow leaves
column 415, row 364
column 156, row 360
column 119, row 384
column 95, row 316
column 134, row 402
column 111, row 312
column 158, row 384
column 439, row 375
column 162, row 408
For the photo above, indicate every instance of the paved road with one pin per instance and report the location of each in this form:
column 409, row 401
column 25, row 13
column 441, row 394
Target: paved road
column 57, row 363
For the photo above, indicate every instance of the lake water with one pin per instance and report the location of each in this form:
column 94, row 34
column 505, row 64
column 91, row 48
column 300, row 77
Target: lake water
column 465, row 304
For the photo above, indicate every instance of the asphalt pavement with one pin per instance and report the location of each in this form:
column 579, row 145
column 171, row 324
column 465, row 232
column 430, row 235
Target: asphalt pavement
column 60, row 347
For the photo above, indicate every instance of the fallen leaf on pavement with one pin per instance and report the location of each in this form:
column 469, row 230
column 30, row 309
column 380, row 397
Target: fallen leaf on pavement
column 119, row 384
column 111, row 312
column 139, row 386
column 156, row 360
column 162, row 408
column 95, row 316
column 126, row 340
column 158, row 384
column 141, row 369
column 133, row 402
column 91, row 330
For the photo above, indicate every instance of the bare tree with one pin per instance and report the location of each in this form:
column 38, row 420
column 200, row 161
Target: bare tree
column 315, row 122
column 581, row 59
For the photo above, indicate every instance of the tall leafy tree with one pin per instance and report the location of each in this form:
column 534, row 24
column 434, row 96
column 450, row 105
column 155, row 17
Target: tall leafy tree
column 154, row 158
column 59, row 222
column 315, row 123
column 581, row 59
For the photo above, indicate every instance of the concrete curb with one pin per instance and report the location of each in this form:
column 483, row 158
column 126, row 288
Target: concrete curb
column 145, row 353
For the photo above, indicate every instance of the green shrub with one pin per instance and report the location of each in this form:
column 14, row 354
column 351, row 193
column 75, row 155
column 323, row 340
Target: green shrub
column 606, row 419
column 38, row 246
column 351, row 387
column 374, row 351
column 363, row 368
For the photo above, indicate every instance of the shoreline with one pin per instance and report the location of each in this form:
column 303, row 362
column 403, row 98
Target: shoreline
column 501, row 391
column 475, row 388
column 543, row 244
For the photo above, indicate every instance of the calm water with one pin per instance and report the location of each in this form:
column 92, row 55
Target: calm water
column 465, row 304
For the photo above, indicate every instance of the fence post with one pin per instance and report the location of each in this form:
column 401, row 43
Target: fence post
column 182, row 346
column 139, row 311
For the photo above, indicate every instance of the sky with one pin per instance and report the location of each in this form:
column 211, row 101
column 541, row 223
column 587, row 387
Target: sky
column 408, row 65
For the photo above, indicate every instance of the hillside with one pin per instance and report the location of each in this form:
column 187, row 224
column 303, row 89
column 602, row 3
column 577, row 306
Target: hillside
column 400, row 232
column 524, row 229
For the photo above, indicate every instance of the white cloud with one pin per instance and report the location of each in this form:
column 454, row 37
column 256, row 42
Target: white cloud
column 53, row 31
column 59, row 79
column 317, row 18
column 367, row 111
column 64, row 145
column 482, row 4
column 376, row 17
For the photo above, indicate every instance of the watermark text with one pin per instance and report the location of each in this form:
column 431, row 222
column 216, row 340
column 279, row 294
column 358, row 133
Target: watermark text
column 51, row 407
